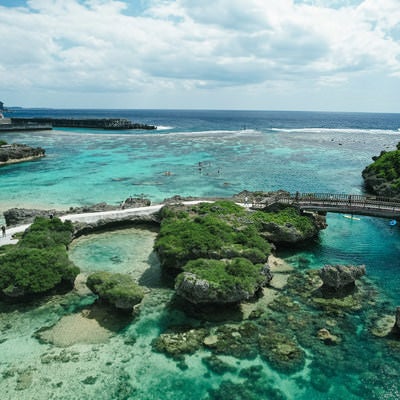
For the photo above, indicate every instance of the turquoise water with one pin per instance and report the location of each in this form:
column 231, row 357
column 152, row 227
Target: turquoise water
column 83, row 168
column 313, row 152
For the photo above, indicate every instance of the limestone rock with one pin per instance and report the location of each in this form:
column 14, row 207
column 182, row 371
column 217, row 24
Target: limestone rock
column 384, row 326
column 266, row 271
column 397, row 323
column 120, row 290
column 19, row 216
column 198, row 291
column 177, row 344
column 340, row 276
column 201, row 291
column 11, row 153
column 325, row 336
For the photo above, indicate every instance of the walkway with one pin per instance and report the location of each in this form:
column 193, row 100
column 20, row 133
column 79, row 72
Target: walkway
column 322, row 202
column 373, row 206
column 90, row 218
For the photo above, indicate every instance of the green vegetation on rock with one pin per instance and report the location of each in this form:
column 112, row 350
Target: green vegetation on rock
column 288, row 216
column 220, row 280
column 47, row 233
column 221, row 248
column 39, row 262
column 208, row 230
column 120, row 290
column 382, row 177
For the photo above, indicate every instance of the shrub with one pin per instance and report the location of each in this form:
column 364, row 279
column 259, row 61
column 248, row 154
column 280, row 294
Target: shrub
column 226, row 276
column 46, row 232
column 288, row 215
column 386, row 166
column 33, row 271
column 39, row 262
column 208, row 231
column 117, row 289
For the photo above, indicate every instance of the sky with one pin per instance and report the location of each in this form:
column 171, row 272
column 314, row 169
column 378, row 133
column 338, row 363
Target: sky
column 317, row 55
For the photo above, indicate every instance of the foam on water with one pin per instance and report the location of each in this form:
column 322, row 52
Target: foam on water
column 347, row 131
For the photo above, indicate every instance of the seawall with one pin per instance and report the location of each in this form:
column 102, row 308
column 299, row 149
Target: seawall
column 93, row 123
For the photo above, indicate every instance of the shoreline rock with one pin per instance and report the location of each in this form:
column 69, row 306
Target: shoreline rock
column 15, row 153
column 340, row 276
column 119, row 290
column 382, row 176
column 19, row 216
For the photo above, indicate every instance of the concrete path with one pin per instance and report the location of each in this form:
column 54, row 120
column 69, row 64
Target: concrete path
column 11, row 231
column 94, row 217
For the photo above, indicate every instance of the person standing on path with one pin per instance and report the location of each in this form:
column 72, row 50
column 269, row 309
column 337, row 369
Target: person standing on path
column 3, row 231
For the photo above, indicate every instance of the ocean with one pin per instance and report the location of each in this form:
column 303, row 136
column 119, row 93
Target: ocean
column 238, row 150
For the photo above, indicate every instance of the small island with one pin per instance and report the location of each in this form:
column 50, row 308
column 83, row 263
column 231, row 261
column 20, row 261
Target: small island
column 219, row 251
column 15, row 153
column 382, row 177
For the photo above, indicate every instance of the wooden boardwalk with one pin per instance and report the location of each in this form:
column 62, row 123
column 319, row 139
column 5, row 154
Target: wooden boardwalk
column 373, row 206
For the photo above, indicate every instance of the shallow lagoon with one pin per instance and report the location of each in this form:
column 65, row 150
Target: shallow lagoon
column 82, row 168
column 123, row 365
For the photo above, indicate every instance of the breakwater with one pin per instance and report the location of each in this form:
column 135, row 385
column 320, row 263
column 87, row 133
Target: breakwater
column 27, row 126
column 93, row 123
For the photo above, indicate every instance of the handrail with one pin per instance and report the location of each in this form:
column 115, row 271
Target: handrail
column 335, row 202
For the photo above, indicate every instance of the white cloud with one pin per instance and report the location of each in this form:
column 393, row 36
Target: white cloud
column 99, row 46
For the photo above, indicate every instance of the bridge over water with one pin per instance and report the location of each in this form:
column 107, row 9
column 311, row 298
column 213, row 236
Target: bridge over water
column 373, row 206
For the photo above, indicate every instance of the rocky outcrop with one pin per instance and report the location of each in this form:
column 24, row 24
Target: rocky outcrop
column 13, row 153
column 382, row 177
column 286, row 233
column 19, row 216
column 133, row 202
column 377, row 184
column 290, row 232
column 198, row 290
column 339, row 276
column 201, row 291
column 396, row 327
column 119, row 290
column 177, row 344
column 325, row 336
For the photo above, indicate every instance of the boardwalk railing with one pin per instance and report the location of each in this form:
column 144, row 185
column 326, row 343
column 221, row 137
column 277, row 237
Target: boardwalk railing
column 335, row 202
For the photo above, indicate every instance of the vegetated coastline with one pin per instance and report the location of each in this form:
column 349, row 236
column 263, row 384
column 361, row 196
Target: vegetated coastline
column 382, row 177
column 246, row 302
column 206, row 235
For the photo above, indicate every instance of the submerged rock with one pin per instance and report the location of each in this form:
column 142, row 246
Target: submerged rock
column 340, row 276
column 282, row 352
column 325, row 336
column 177, row 344
column 384, row 326
column 217, row 365
column 396, row 327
